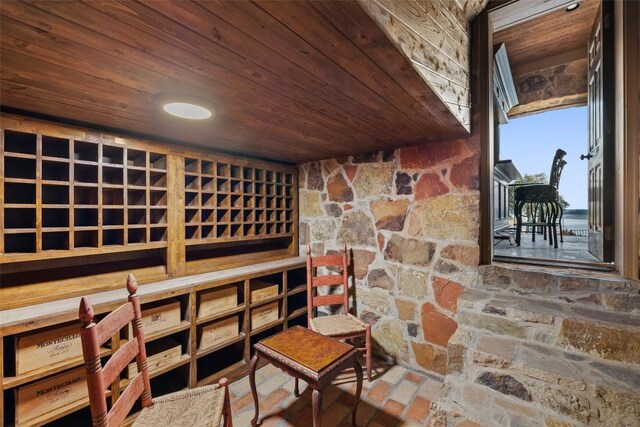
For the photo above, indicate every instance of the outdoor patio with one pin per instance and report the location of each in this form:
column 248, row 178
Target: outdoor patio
column 574, row 248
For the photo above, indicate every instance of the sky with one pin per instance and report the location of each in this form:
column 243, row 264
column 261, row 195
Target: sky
column 531, row 142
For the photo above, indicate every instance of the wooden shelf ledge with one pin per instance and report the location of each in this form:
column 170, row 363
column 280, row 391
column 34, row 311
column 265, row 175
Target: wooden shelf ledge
column 41, row 315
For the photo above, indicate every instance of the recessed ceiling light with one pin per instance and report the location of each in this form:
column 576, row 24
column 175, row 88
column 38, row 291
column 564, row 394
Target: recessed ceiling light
column 572, row 7
column 187, row 110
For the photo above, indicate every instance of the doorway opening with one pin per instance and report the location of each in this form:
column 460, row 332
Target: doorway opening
column 530, row 143
column 550, row 103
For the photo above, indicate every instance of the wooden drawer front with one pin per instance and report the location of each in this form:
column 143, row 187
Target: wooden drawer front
column 159, row 353
column 262, row 290
column 218, row 300
column 42, row 397
column 160, row 317
column 44, row 348
column 264, row 314
column 219, row 332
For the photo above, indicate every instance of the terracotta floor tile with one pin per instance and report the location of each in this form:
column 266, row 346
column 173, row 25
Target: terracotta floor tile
column 416, row 378
column 273, row 399
column 418, row 410
column 379, row 392
column 241, row 402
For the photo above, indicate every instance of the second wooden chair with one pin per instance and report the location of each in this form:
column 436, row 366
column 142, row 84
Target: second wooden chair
column 340, row 326
column 202, row 406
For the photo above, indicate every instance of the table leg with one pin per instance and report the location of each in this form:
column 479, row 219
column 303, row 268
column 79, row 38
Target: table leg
column 316, row 399
column 254, row 391
column 358, row 368
column 296, row 390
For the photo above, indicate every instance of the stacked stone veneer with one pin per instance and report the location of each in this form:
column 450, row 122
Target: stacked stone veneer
column 410, row 218
column 540, row 348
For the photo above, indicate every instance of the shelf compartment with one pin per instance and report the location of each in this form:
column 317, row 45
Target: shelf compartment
column 19, row 193
column 58, row 240
column 85, row 239
column 158, row 198
column 219, row 333
column 208, row 199
column 54, row 194
column 112, row 196
column 55, row 171
column 158, row 234
column 158, row 179
column 112, row 175
column 213, row 362
column 20, row 242
column 85, row 151
column 55, row 217
column 137, row 235
column 20, row 142
column 113, row 217
column 85, row 217
column 20, row 217
column 15, row 167
column 158, row 161
column 137, row 178
column 158, row 216
column 137, row 158
column 220, row 300
column 85, row 195
column 86, row 173
column 136, row 216
column 136, row 197
column 191, row 166
column 112, row 155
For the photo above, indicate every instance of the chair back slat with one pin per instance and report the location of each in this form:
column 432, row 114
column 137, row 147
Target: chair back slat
column 337, row 296
column 100, row 378
column 113, row 322
column 328, row 280
column 326, row 261
column 119, row 361
column 328, row 300
column 123, row 405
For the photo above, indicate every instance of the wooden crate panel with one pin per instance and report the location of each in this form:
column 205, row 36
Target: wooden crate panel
column 159, row 353
column 262, row 290
column 264, row 315
column 43, row 348
column 218, row 332
column 218, row 300
column 42, row 397
column 159, row 317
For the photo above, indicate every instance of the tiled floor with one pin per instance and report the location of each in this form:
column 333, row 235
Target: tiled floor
column 396, row 397
column 574, row 248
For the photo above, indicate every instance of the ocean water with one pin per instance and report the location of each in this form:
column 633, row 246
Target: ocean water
column 573, row 221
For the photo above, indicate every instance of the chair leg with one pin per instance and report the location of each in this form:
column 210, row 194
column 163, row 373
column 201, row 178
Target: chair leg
column 226, row 410
column 560, row 220
column 368, row 355
column 517, row 211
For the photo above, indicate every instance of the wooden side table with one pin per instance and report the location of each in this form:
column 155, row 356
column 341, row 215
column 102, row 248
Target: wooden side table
column 308, row 356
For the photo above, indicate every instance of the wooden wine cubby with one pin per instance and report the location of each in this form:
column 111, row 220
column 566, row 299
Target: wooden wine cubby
column 227, row 200
column 197, row 364
column 63, row 196
column 82, row 208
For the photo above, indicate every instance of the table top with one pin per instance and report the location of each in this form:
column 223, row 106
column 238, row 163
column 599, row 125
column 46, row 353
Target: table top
column 307, row 348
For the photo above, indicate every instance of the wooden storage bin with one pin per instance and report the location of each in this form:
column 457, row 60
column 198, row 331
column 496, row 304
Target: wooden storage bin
column 45, row 396
column 218, row 300
column 42, row 348
column 262, row 290
column 160, row 316
column 159, row 353
column 218, row 332
column 264, row 315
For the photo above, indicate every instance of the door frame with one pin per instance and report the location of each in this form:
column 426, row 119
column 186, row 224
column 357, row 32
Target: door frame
column 627, row 239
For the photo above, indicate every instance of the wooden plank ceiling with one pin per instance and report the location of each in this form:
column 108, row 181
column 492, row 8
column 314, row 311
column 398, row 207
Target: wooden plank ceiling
column 289, row 81
column 548, row 58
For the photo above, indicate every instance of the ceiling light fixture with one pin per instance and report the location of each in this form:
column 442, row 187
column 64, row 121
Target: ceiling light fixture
column 187, row 110
column 572, row 7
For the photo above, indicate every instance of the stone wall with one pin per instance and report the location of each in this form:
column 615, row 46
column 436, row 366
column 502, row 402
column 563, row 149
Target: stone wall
column 411, row 219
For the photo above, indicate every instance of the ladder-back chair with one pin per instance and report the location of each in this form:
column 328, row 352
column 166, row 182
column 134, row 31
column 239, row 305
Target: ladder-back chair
column 340, row 326
column 202, row 406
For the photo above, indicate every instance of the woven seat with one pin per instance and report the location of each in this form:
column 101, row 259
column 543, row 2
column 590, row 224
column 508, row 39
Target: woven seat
column 198, row 407
column 343, row 326
column 337, row 324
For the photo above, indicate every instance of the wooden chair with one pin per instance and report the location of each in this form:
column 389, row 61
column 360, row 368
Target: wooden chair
column 340, row 326
column 202, row 406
